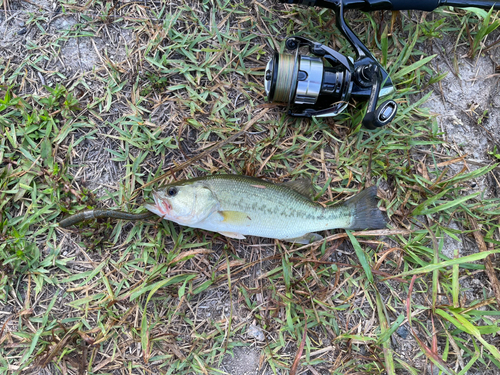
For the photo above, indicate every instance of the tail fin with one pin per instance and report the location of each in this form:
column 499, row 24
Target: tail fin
column 366, row 213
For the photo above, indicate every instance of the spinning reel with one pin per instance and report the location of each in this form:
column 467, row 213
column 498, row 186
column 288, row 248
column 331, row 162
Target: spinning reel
column 322, row 85
column 310, row 87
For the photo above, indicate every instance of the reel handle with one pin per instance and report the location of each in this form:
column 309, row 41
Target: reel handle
column 385, row 113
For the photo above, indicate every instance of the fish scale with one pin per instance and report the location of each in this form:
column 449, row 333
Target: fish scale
column 274, row 208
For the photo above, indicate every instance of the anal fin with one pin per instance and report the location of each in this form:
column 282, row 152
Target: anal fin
column 238, row 236
column 305, row 239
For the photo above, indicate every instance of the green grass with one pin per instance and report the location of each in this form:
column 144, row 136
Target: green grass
column 146, row 297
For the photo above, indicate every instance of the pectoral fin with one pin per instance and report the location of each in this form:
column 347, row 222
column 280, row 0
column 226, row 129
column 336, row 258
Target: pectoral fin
column 233, row 235
column 235, row 217
column 305, row 239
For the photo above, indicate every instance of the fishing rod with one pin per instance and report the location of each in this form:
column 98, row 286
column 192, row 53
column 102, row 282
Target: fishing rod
column 321, row 85
column 371, row 5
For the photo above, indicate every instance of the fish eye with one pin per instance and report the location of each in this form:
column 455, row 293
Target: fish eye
column 172, row 191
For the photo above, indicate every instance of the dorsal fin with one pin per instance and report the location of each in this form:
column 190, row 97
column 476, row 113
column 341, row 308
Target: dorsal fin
column 302, row 186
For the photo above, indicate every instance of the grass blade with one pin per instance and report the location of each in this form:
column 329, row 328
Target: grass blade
column 363, row 259
column 385, row 333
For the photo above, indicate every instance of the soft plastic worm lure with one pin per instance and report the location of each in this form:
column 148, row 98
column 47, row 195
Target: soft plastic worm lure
column 102, row 214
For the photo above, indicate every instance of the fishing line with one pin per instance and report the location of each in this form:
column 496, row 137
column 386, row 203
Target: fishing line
column 285, row 78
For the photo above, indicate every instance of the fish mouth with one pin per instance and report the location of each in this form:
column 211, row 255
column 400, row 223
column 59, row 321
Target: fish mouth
column 162, row 205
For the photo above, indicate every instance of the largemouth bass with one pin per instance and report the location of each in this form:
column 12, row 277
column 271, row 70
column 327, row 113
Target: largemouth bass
column 236, row 206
